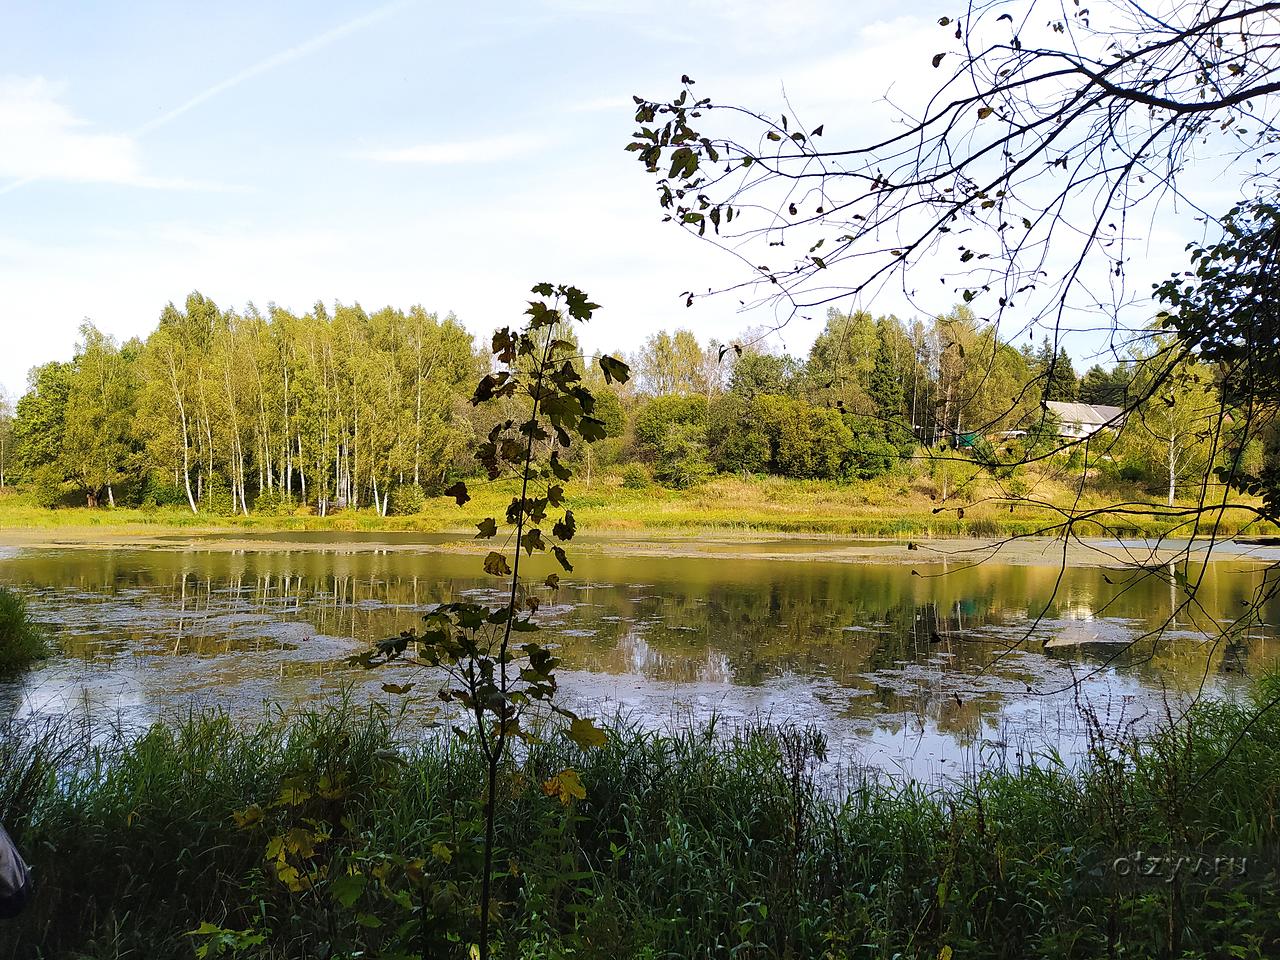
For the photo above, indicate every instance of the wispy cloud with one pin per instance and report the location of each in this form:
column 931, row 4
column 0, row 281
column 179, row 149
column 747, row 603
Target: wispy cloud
column 297, row 52
column 42, row 137
column 45, row 140
column 485, row 150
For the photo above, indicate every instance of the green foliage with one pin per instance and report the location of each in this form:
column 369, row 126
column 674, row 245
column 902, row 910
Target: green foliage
column 655, row 417
column 1109, row 388
column 635, row 477
column 681, row 459
column 271, row 503
column 684, row 840
column 406, row 499
column 671, row 364
column 1059, row 376
column 740, row 442
column 22, row 642
column 494, row 680
column 757, row 373
column 870, row 456
column 1223, row 312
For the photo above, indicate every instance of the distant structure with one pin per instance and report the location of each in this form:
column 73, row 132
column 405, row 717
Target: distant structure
column 1080, row 420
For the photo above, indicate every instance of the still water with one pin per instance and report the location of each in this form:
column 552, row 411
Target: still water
column 925, row 668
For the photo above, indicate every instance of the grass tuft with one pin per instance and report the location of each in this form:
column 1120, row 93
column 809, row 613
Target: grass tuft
column 709, row 842
column 22, row 642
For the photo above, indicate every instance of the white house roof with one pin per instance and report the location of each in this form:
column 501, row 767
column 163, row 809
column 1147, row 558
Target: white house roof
column 1086, row 414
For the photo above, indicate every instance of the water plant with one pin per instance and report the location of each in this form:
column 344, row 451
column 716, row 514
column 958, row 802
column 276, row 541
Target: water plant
column 22, row 641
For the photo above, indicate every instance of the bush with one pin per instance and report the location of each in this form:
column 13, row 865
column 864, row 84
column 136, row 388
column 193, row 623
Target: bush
column 780, row 434
column 273, row 503
column 406, row 499
column 154, row 492
column 635, row 477
column 659, row 415
column 739, row 443
column 682, row 459
column 21, row 641
column 870, row 456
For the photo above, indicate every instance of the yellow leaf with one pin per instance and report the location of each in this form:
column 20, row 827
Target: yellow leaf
column 565, row 787
column 944, row 953
column 441, row 852
column 585, row 733
column 474, row 952
column 984, row 112
column 496, row 564
column 249, row 817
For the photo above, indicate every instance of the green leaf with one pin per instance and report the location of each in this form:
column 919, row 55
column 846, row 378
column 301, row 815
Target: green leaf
column 488, row 527
column 562, row 558
column 496, row 564
column 614, row 370
column 559, row 469
column 532, row 540
column 459, row 493
column 346, row 890
column 553, row 581
column 592, row 429
column 566, row 528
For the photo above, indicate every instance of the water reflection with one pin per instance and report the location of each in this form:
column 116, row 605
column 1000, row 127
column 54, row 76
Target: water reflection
column 908, row 669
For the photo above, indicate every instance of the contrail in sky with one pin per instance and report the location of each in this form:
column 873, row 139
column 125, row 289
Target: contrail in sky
column 306, row 48
column 303, row 49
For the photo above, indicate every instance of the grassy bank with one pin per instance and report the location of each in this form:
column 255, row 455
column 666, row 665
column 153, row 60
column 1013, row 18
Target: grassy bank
column 887, row 507
column 320, row 837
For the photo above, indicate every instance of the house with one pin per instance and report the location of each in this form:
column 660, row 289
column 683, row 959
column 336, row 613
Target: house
column 1080, row 420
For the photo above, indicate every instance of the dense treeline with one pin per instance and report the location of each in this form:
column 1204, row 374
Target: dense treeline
column 218, row 410
column 228, row 412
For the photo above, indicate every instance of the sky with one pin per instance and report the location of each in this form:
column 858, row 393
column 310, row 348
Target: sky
column 410, row 152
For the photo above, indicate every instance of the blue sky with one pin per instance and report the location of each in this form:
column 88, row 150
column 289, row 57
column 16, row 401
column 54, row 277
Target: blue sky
column 413, row 152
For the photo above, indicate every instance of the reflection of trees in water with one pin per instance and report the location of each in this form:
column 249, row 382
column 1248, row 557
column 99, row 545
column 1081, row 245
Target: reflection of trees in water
column 744, row 622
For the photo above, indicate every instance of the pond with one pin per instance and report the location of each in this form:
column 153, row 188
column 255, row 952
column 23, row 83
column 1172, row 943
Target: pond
column 923, row 663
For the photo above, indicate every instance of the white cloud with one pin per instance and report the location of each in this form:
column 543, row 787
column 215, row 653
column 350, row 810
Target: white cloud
column 486, row 150
column 44, row 139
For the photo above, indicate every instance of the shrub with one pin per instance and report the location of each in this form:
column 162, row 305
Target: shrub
column 739, row 443
column 870, row 456
column 635, row 477
column 273, row 503
column 21, row 641
column 406, row 499
column 653, row 421
column 154, row 491
column 682, row 459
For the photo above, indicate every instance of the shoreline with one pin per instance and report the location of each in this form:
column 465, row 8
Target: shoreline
column 711, row 544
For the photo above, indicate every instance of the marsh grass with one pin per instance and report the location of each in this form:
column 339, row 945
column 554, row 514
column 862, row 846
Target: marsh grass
column 708, row 842
column 892, row 506
column 22, row 642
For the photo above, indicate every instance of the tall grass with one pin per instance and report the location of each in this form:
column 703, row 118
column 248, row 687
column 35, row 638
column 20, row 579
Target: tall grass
column 890, row 506
column 22, row 642
column 704, row 843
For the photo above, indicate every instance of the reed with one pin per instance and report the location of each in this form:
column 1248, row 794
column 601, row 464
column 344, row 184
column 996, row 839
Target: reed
column 720, row 841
